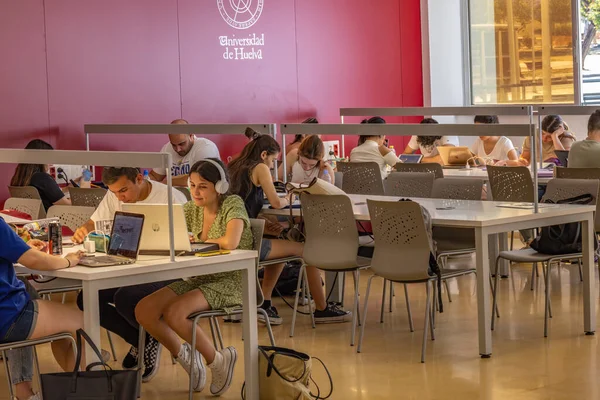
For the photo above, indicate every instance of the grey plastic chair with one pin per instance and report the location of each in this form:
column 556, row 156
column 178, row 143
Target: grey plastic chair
column 86, row 197
column 457, row 188
column 71, row 216
column 331, row 245
column 361, row 178
column 434, row 168
column 339, row 179
column 581, row 173
column 409, row 184
column 33, row 207
column 557, row 189
column 24, row 192
column 402, row 254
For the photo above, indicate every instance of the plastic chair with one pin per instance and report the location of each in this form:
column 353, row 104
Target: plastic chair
column 434, row 168
column 457, row 188
column 71, row 216
column 24, row 192
column 409, row 184
column 557, row 189
column 339, row 179
column 33, row 207
column 361, row 178
column 185, row 191
column 86, row 197
column 331, row 245
column 402, row 254
column 581, row 173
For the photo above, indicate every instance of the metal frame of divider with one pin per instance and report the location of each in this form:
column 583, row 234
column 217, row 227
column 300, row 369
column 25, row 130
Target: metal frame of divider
column 154, row 129
column 104, row 158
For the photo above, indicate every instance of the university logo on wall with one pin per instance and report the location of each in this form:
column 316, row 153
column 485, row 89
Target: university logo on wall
column 240, row 14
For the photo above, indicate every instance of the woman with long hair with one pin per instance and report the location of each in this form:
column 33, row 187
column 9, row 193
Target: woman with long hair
column 428, row 144
column 310, row 163
column 36, row 175
column 291, row 150
column 555, row 136
column 372, row 149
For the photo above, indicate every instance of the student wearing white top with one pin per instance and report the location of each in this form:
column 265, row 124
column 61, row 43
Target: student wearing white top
column 429, row 144
column 371, row 149
column 185, row 150
column 310, row 162
column 126, row 185
column 497, row 149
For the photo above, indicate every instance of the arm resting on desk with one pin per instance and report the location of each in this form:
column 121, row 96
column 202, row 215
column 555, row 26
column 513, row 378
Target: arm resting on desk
column 40, row 261
column 232, row 237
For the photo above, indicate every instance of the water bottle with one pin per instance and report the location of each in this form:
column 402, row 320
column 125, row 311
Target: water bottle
column 326, row 177
column 146, row 174
column 86, row 178
column 392, row 149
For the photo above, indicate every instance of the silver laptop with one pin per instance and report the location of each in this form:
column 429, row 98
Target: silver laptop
column 124, row 242
column 155, row 235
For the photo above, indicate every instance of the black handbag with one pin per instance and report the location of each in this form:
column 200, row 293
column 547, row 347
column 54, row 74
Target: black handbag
column 565, row 238
column 107, row 384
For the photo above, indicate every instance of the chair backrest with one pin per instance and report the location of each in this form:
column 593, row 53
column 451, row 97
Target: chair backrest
column 409, row 184
column 258, row 229
column 577, row 173
column 331, row 234
column 457, row 188
column 402, row 245
column 185, row 191
column 361, row 178
column 560, row 189
column 24, row 192
column 434, row 168
column 86, row 197
column 33, row 207
column 339, row 179
column 511, row 184
column 71, row 216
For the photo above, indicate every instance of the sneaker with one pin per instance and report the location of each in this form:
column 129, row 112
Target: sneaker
column 36, row 396
column 105, row 356
column 332, row 314
column 151, row 358
column 185, row 360
column 131, row 359
column 222, row 376
column 274, row 317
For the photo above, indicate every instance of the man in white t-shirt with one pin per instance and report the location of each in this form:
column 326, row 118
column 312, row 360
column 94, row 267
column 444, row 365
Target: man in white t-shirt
column 126, row 185
column 429, row 144
column 186, row 150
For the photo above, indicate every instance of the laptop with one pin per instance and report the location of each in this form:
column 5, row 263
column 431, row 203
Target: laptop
column 411, row 158
column 124, row 242
column 563, row 157
column 155, row 235
column 454, row 157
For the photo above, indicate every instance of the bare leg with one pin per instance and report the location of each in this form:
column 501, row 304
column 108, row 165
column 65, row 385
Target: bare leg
column 315, row 284
column 24, row 390
column 270, row 278
column 279, row 249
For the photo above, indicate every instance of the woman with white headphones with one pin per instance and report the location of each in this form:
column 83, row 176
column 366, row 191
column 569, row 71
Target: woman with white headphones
column 213, row 216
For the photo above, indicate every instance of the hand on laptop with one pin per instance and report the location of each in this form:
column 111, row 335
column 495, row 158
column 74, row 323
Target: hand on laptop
column 79, row 235
column 74, row 258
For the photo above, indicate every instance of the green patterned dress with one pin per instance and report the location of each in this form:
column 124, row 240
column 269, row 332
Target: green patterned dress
column 223, row 290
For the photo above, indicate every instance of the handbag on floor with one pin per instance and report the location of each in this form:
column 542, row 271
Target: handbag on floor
column 107, row 384
column 285, row 374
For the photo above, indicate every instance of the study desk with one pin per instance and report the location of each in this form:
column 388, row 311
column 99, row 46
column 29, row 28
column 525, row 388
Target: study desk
column 543, row 176
column 488, row 219
column 155, row 268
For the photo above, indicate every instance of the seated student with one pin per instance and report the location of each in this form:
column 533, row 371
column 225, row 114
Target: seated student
column 185, row 150
column 429, row 144
column 127, row 185
column 36, row 175
column 371, row 149
column 291, row 150
column 497, row 149
column 251, row 180
column 250, row 134
column 310, row 163
column 23, row 318
column 555, row 136
column 586, row 153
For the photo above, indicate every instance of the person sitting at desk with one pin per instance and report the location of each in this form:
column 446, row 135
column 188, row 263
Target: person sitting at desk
column 586, row 153
column 36, row 175
column 291, row 150
column 127, row 185
column 555, row 136
column 251, row 180
column 185, row 150
column 23, row 318
column 428, row 144
column 499, row 150
column 372, row 149
column 310, row 163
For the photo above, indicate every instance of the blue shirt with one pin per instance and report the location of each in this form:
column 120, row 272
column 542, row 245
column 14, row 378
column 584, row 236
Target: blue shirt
column 13, row 296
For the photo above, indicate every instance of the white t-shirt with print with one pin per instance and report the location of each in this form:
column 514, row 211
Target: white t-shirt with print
column 158, row 195
column 201, row 149
column 431, row 151
column 499, row 152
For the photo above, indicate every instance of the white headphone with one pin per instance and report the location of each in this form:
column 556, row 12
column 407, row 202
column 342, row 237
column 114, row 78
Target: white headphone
column 222, row 186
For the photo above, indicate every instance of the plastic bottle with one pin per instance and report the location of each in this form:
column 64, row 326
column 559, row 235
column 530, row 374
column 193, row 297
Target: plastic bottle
column 146, row 174
column 326, row 177
column 332, row 159
column 392, row 149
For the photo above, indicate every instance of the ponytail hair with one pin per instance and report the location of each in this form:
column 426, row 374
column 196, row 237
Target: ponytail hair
column 372, row 120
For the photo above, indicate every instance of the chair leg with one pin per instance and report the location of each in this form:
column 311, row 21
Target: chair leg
column 10, row 387
column 364, row 315
column 547, row 299
column 410, row 320
column 580, row 271
column 512, row 240
column 213, row 334
column 343, row 282
column 495, row 292
column 36, row 363
column 357, row 284
column 383, row 299
column 444, row 260
column 427, row 319
column 432, row 323
column 112, row 346
column 193, row 344
column 534, row 273
column 391, row 294
column 218, row 330
column 268, row 324
column 355, row 315
column 546, row 271
column 296, row 300
column 141, row 345
column 310, row 304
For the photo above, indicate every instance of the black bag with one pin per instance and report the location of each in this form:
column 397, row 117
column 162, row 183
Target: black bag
column 565, row 238
column 90, row 385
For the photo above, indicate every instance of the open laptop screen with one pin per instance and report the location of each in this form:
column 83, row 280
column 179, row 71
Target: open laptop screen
column 126, row 234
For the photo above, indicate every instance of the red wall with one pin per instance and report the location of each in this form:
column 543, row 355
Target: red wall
column 70, row 62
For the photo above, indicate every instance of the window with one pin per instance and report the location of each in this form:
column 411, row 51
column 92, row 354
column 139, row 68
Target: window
column 521, row 51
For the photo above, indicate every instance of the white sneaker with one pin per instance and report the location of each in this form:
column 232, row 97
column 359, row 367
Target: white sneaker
column 184, row 358
column 36, row 396
column 222, row 376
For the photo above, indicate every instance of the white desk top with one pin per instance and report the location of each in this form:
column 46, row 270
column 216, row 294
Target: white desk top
column 464, row 213
column 543, row 176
